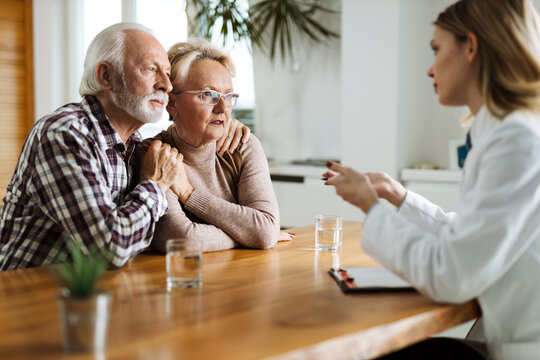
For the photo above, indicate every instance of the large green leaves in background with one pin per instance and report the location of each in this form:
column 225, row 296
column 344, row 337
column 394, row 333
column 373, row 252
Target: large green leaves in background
column 269, row 24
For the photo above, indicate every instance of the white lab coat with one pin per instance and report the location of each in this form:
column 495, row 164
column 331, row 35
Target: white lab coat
column 490, row 248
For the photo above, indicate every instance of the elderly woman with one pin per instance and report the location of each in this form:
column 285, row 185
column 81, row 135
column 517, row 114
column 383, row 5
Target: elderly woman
column 224, row 199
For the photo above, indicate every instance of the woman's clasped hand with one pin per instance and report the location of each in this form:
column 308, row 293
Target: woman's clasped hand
column 363, row 189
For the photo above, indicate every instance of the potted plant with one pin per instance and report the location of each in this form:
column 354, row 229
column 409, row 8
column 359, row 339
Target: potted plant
column 83, row 308
column 268, row 24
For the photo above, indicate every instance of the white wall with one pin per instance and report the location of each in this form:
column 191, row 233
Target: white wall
column 298, row 103
column 369, row 84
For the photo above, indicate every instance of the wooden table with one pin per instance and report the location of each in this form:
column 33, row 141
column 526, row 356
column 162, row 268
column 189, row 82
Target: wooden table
column 278, row 303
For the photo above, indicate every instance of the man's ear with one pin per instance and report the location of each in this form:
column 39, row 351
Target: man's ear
column 472, row 47
column 104, row 75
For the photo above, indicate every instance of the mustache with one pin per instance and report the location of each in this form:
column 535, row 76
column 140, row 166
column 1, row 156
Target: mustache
column 158, row 95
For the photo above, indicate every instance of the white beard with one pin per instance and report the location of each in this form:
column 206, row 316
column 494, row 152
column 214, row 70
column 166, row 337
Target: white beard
column 138, row 106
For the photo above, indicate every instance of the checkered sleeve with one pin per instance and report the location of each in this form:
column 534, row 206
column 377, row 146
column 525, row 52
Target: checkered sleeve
column 74, row 191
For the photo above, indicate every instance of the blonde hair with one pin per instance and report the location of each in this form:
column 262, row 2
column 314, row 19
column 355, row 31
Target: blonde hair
column 108, row 46
column 183, row 54
column 508, row 58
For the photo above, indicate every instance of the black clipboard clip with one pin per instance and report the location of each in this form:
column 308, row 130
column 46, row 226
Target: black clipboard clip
column 343, row 279
column 388, row 284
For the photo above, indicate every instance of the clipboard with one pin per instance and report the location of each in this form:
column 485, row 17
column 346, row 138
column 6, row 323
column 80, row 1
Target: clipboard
column 368, row 279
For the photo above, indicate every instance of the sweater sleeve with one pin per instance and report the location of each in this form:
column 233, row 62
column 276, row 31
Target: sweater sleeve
column 176, row 224
column 254, row 221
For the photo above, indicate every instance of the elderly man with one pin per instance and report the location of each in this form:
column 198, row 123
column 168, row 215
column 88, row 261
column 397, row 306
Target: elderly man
column 74, row 177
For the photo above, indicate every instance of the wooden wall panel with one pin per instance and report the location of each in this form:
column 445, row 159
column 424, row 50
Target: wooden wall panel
column 16, row 83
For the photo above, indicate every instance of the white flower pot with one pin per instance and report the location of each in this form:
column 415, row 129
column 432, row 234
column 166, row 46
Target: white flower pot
column 84, row 322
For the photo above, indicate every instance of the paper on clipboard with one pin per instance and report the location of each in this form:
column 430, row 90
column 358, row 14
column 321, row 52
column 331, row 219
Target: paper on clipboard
column 368, row 279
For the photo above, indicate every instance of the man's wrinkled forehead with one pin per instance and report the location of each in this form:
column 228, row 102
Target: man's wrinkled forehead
column 140, row 45
column 139, row 40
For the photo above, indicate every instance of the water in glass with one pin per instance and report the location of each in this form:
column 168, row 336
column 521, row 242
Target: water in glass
column 328, row 230
column 328, row 239
column 184, row 268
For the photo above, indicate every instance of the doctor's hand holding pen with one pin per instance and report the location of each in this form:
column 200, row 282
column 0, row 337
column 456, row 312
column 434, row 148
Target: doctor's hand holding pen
column 363, row 190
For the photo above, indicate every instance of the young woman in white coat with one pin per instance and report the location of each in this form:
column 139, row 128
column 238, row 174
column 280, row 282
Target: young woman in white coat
column 487, row 57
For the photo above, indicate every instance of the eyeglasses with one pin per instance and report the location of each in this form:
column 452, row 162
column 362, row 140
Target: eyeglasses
column 211, row 97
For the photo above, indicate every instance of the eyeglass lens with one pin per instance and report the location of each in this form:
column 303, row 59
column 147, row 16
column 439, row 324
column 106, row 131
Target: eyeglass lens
column 212, row 97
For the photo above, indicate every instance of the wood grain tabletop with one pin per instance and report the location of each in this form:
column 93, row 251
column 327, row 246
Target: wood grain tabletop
column 254, row 304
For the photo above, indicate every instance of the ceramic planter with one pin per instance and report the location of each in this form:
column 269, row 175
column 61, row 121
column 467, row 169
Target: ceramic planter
column 84, row 322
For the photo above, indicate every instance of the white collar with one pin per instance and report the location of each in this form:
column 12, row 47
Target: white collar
column 482, row 125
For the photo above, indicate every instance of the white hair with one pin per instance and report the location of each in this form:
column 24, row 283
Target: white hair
column 108, row 46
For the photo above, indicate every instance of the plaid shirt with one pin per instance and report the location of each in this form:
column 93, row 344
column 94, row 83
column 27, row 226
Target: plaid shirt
column 73, row 178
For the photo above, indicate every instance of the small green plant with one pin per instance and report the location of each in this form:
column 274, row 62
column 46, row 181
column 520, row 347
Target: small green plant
column 81, row 275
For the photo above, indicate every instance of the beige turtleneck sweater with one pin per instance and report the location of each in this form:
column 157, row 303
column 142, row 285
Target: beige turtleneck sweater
column 212, row 213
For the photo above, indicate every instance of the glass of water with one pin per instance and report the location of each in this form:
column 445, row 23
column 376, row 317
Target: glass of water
column 328, row 233
column 184, row 263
